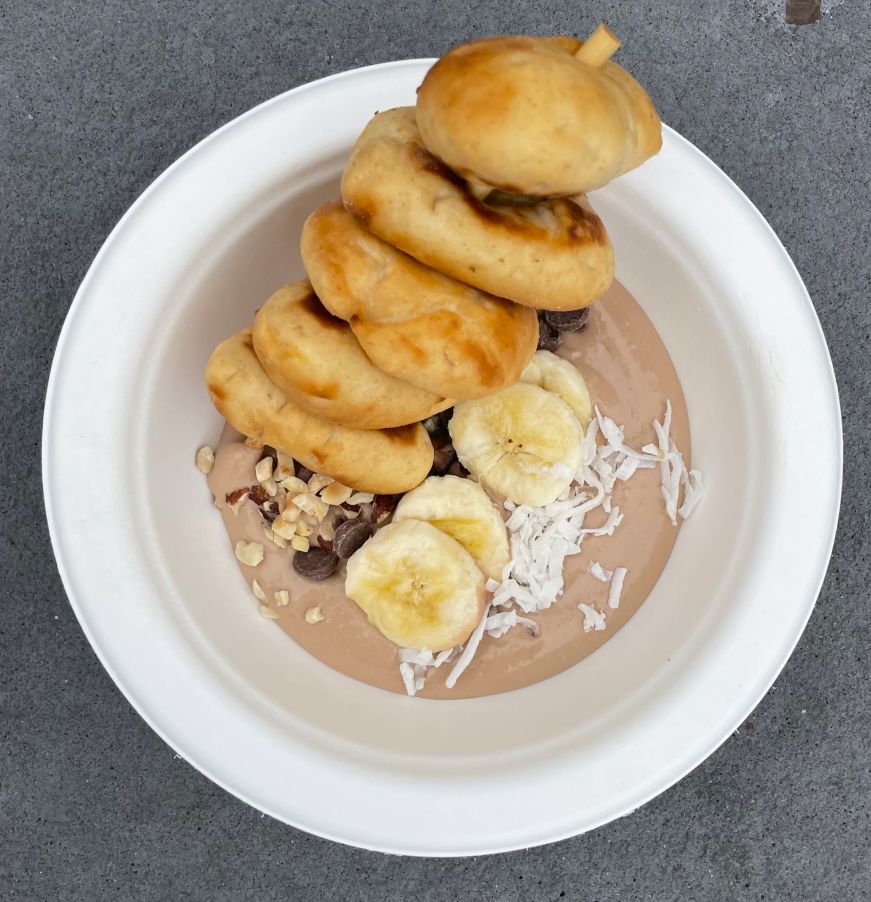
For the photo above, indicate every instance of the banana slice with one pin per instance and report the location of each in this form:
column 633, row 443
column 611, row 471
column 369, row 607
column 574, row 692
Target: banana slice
column 523, row 443
column 463, row 510
column 557, row 375
column 417, row 585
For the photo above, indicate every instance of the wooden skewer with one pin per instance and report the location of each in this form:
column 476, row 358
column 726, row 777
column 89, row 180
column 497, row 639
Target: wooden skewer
column 599, row 47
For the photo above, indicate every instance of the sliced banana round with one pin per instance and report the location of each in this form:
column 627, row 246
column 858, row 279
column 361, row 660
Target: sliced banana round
column 523, row 443
column 417, row 585
column 463, row 510
column 560, row 376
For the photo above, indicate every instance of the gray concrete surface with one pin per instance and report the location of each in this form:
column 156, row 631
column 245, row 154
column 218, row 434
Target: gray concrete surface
column 95, row 100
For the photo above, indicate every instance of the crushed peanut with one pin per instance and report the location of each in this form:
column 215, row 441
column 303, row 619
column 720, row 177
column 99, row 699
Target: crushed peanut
column 282, row 598
column 327, row 531
column 263, row 470
column 280, row 541
column 351, row 515
column 304, row 529
column 317, row 482
column 259, row 594
column 291, row 514
column 205, row 459
column 238, row 503
column 300, row 543
column 249, row 553
column 314, row 615
column 294, row 485
column 270, row 487
column 285, row 468
column 336, row 493
column 283, row 530
column 311, row 504
column 361, row 498
column 268, row 613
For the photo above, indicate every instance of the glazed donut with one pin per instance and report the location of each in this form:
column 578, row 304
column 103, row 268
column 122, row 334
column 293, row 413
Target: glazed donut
column 551, row 254
column 316, row 361
column 384, row 461
column 527, row 116
column 413, row 322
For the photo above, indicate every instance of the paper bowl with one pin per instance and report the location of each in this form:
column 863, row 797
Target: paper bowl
column 145, row 561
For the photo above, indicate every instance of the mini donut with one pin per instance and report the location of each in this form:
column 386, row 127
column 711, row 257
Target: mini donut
column 551, row 254
column 413, row 322
column 383, row 461
column 316, row 361
column 525, row 115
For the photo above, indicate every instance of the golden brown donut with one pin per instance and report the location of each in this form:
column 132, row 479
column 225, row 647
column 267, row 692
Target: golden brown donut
column 314, row 358
column 524, row 115
column 384, row 461
column 413, row 322
column 552, row 254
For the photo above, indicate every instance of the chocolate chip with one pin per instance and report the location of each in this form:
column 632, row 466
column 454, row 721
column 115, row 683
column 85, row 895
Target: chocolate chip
column 437, row 424
column 315, row 564
column 443, row 456
column 350, row 535
column 303, row 473
column 457, row 469
column 383, row 507
column 549, row 339
column 568, row 320
column 326, row 544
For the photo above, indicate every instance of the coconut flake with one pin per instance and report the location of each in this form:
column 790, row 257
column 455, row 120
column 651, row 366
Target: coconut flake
column 593, row 619
column 468, row 652
column 594, row 568
column 616, row 588
column 693, row 493
column 415, row 664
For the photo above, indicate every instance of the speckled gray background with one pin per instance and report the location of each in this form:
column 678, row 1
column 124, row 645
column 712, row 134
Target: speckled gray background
column 95, row 100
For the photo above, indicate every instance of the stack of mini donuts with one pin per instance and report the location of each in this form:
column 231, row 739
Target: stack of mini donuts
column 459, row 219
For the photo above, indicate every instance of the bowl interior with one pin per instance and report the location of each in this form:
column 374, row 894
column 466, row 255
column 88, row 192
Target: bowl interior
column 209, row 243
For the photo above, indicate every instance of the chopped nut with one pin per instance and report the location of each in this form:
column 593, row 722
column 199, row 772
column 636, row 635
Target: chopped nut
column 336, row 493
column 351, row 515
column 318, row 482
column 259, row 594
column 282, row 598
column 311, row 504
column 327, row 531
column 250, row 553
column 263, row 469
column 361, row 498
column 294, row 485
column 283, row 529
column 285, row 468
column 236, row 499
column 280, row 541
column 291, row 514
column 300, row 543
column 304, row 529
column 314, row 615
column 268, row 613
column 270, row 486
column 205, row 459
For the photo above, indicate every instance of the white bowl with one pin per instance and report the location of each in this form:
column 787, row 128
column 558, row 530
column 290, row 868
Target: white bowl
column 144, row 557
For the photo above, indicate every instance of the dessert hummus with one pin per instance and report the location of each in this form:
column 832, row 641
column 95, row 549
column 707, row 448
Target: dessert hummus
column 457, row 456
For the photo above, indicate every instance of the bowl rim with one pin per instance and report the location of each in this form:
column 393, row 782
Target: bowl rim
column 48, row 441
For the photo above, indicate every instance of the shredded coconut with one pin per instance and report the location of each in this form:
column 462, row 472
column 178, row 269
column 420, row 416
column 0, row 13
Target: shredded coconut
column 415, row 664
column 468, row 652
column 541, row 538
column 616, row 588
column 594, row 568
column 593, row 619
